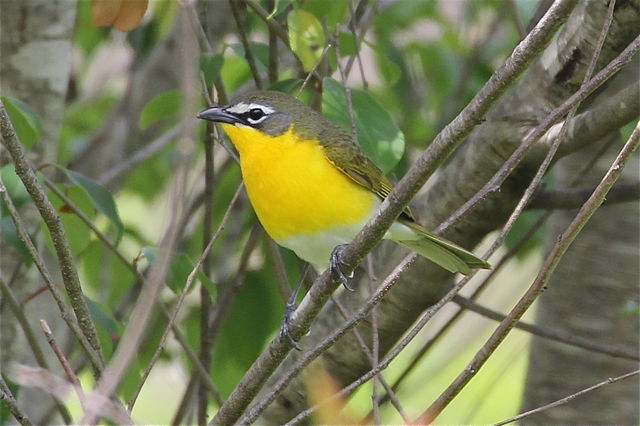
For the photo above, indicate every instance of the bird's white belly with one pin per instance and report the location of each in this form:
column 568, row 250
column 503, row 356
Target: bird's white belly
column 317, row 248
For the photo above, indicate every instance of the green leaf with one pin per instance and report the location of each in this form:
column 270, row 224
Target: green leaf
column 108, row 327
column 306, row 37
column 181, row 267
column 278, row 7
column 348, row 44
column 287, row 85
column 211, row 65
column 379, row 136
column 25, row 121
column 105, row 274
column 101, row 198
column 163, row 106
column 15, row 187
column 390, row 70
column 235, row 71
column 208, row 284
column 334, row 13
column 10, row 237
column 77, row 232
column 260, row 52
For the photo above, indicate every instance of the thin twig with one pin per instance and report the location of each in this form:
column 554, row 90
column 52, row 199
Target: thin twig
column 568, row 398
column 275, row 26
column 10, row 402
column 372, row 359
column 347, row 91
column 441, row 147
column 314, row 69
column 279, row 268
column 141, row 155
column 352, row 28
column 36, row 350
column 65, row 312
column 54, row 225
column 363, row 311
column 185, row 289
column 513, row 10
column 226, row 297
column 550, row 333
column 497, row 267
column 572, row 198
column 375, row 344
column 206, row 301
column 550, row 263
column 273, row 50
column 453, row 390
column 248, row 54
column 71, row 375
column 529, row 141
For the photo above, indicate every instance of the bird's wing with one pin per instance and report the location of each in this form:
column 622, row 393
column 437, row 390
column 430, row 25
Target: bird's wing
column 362, row 170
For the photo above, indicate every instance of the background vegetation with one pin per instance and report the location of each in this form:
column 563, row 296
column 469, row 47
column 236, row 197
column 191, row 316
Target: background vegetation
column 103, row 101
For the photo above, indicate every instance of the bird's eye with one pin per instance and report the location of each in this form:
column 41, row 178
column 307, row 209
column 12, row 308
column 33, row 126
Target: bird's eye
column 255, row 114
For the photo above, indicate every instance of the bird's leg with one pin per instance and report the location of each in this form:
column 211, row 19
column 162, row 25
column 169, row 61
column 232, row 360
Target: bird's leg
column 290, row 308
column 334, row 266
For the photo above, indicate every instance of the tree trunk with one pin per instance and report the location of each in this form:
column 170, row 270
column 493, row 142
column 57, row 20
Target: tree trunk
column 597, row 278
column 35, row 47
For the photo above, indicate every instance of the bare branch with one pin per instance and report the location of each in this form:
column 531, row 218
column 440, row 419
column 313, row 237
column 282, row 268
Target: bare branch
column 442, row 146
column 572, row 198
column 248, row 54
column 569, row 398
column 509, row 166
column 54, row 225
column 552, row 260
column 31, row 338
column 557, row 335
column 65, row 312
column 10, row 402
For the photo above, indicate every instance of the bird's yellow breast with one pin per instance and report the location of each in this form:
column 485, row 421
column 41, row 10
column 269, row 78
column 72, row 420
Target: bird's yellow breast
column 293, row 187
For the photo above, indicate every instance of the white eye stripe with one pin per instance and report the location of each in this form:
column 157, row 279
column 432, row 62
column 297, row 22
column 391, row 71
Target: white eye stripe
column 242, row 108
column 259, row 120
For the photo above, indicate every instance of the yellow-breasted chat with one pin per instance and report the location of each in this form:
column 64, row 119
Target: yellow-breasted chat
column 311, row 185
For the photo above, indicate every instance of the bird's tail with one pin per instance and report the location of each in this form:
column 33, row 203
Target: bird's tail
column 441, row 251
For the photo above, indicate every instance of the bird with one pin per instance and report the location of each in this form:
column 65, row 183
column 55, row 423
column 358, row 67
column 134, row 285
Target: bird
column 313, row 188
column 311, row 185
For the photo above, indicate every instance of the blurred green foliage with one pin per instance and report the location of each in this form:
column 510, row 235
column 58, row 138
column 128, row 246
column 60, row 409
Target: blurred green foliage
column 422, row 62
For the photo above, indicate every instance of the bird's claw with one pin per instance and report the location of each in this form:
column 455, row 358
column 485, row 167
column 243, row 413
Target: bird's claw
column 284, row 330
column 334, row 266
column 289, row 309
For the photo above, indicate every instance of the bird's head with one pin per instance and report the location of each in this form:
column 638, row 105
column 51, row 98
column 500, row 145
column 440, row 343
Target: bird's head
column 267, row 111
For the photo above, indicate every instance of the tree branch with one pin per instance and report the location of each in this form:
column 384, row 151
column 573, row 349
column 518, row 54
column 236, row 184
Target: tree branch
column 58, row 235
column 437, row 152
column 557, row 335
column 572, row 198
column 569, row 397
column 538, row 285
column 10, row 402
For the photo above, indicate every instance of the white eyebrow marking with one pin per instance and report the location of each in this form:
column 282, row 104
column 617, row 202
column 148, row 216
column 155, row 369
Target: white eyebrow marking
column 242, row 108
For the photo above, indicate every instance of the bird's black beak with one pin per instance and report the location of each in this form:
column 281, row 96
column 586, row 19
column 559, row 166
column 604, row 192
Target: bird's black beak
column 218, row 114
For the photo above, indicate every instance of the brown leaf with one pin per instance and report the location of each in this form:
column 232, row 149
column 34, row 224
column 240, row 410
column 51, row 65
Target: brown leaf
column 105, row 12
column 130, row 14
